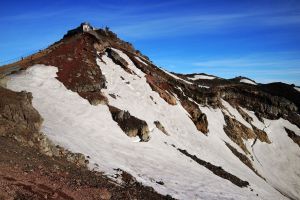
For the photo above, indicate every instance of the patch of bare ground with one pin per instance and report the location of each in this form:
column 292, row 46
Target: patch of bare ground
column 27, row 174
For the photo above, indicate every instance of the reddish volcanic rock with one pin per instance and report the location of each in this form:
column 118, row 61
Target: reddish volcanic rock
column 77, row 68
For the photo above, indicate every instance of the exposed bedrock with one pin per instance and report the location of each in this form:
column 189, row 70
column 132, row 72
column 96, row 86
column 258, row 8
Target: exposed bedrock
column 131, row 125
column 264, row 104
column 268, row 106
column 238, row 132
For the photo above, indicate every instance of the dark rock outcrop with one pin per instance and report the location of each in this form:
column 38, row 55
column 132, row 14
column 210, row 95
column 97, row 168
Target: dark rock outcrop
column 161, row 127
column 282, row 90
column 293, row 136
column 116, row 58
column 243, row 158
column 131, row 125
column 199, row 118
column 271, row 107
column 219, row 171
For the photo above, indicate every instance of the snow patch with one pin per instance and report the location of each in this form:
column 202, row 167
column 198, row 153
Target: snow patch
column 201, row 76
column 297, row 88
column 203, row 86
column 140, row 60
column 248, row 81
column 176, row 77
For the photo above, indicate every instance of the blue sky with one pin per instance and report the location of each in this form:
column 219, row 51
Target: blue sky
column 258, row 39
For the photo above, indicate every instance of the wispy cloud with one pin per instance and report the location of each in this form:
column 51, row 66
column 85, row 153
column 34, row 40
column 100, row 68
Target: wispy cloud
column 197, row 23
column 144, row 20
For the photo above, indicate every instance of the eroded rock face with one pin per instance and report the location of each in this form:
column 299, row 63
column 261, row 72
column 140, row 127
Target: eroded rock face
column 238, row 132
column 131, row 125
column 264, row 104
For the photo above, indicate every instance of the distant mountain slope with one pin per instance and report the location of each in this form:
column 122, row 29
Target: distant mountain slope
column 283, row 90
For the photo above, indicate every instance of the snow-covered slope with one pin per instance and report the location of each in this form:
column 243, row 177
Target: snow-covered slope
column 75, row 124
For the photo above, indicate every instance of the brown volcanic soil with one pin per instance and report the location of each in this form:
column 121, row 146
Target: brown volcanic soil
column 27, row 174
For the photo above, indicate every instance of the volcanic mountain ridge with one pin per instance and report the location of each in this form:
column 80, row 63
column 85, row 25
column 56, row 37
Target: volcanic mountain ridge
column 94, row 94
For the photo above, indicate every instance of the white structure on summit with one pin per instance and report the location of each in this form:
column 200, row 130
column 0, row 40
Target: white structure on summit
column 86, row 27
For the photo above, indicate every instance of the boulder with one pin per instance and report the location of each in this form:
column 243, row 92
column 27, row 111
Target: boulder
column 131, row 125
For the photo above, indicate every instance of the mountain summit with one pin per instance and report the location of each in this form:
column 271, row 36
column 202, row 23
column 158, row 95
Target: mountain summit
column 95, row 100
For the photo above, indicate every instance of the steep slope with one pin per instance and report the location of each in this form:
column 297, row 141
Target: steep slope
column 191, row 136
